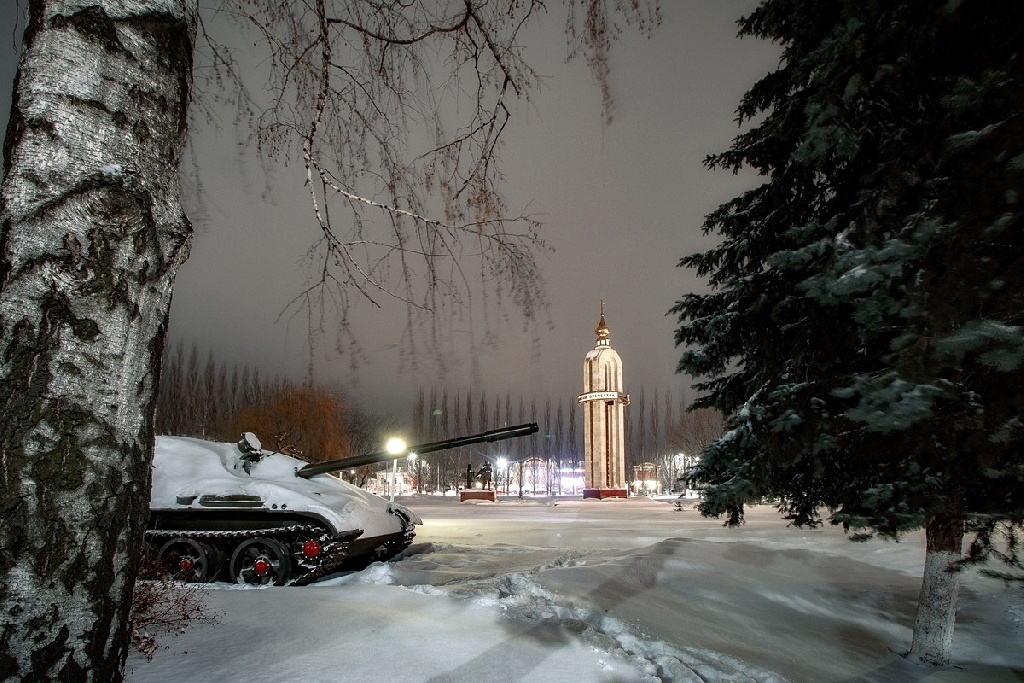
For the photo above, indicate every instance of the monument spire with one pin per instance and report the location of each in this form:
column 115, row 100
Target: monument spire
column 602, row 330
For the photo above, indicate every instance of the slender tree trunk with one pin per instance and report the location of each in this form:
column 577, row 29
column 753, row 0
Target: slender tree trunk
column 936, row 606
column 91, row 235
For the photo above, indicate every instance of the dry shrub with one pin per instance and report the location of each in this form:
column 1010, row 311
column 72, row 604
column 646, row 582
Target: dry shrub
column 161, row 607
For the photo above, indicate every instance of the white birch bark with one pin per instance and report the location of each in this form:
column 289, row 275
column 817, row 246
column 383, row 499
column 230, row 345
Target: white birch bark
column 936, row 604
column 91, row 236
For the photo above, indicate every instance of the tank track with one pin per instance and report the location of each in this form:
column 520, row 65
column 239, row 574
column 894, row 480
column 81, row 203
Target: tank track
column 320, row 571
column 333, row 548
column 389, row 548
column 239, row 534
column 396, row 546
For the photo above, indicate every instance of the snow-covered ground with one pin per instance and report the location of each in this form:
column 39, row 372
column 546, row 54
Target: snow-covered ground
column 565, row 590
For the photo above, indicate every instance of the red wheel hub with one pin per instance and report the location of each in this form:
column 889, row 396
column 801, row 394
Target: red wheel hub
column 310, row 549
column 261, row 566
column 185, row 564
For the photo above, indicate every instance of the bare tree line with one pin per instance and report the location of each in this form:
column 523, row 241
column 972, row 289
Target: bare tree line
column 203, row 398
column 211, row 400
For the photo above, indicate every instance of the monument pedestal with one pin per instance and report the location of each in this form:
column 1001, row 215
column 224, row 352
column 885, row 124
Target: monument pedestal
column 475, row 494
column 605, row 493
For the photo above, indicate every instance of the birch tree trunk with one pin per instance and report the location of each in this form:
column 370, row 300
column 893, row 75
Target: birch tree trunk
column 92, row 236
column 936, row 605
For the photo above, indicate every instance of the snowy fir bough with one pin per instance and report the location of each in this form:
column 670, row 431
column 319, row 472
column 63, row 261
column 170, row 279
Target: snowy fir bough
column 865, row 325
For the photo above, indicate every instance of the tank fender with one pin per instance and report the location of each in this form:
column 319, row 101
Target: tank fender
column 410, row 518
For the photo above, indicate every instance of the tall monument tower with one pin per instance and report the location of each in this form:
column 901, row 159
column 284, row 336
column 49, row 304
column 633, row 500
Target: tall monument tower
column 603, row 427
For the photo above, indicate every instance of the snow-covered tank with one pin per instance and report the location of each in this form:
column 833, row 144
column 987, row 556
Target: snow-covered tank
column 235, row 512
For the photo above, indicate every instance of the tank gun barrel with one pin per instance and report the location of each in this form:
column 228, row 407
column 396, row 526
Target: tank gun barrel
column 314, row 469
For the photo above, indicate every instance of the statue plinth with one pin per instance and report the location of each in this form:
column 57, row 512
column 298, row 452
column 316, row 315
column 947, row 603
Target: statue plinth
column 475, row 494
column 601, row 494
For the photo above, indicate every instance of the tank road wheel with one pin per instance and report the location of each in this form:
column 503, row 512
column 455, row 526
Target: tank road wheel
column 261, row 561
column 307, row 552
column 186, row 559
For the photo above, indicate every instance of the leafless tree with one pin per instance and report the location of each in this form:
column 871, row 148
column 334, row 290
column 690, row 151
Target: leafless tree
column 435, row 413
column 694, row 430
column 636, row 428
column 419, row 427
column 481, row 414
column 443, row 416
column 397, row 111
column 366, row 434
column 574, row 451
column 456, row 411
column 655, row 428
column 169, row 412
column 548, row 444
column 561, row 440
column 521, row 448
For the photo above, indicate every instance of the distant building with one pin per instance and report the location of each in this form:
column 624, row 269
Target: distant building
column 603, row 426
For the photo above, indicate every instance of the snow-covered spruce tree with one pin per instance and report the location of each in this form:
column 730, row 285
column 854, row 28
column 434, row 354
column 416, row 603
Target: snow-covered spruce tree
column 864, row 332
column 92, row 234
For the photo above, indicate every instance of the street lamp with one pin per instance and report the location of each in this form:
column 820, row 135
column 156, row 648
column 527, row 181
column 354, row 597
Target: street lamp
column 394, row 446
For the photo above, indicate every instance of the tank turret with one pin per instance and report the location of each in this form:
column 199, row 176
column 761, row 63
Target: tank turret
column 236, row 512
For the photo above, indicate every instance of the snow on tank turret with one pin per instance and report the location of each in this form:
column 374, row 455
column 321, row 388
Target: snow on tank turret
column 235, row 512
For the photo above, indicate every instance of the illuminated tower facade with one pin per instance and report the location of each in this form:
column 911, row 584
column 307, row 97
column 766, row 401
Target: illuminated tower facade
column 603, row 400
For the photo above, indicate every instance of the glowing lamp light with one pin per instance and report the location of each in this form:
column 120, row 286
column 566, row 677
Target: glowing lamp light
column 394, row 446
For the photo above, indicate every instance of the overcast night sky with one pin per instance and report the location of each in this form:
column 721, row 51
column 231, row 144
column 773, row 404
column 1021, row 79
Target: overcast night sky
column 621, row 204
